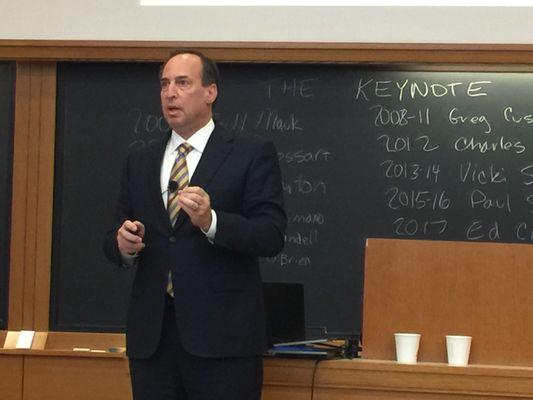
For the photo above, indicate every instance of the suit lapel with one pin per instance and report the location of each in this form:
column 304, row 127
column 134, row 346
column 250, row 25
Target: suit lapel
column 162, row 221
column 217, row 149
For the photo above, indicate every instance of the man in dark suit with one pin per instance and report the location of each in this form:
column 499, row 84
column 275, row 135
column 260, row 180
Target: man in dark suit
column 195, row 212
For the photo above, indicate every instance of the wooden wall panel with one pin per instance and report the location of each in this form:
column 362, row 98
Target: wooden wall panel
column 274, row 392
column 288, row 379
column 365, row 394
column 58, row 378
column 10, row 377
column 33, row 162
column 49, row 377
column 386, row 380
column 439, row 288
column 21, row 143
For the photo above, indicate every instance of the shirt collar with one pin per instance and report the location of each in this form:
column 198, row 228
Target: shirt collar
column 198, row 140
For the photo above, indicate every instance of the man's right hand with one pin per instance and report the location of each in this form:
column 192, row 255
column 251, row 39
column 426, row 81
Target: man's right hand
column 130, row 238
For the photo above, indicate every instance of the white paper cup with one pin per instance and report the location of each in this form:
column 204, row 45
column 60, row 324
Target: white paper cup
column 407, row 347
column 458, row 349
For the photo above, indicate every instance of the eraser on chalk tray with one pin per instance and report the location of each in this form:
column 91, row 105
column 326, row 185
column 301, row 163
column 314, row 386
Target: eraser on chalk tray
column 116, row 349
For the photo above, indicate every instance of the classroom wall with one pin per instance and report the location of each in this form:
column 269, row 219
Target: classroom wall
column 127, row 20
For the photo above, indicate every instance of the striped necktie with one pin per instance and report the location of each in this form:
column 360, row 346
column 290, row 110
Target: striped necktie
column 179, row 179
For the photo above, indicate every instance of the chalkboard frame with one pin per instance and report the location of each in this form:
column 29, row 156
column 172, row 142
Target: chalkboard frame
column 302, row 52
column 32, row 53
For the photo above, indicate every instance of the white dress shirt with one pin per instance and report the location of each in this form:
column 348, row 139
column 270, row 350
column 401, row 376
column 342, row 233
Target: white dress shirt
column 198, row 141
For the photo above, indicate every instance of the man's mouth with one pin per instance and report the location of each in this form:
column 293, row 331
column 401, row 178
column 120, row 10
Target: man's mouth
column 173, row 109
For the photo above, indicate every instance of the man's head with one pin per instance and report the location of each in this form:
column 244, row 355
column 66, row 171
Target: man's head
column 189, row 87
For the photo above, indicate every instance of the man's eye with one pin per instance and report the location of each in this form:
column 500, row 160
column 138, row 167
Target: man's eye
column 183, row 83
column 164, row 84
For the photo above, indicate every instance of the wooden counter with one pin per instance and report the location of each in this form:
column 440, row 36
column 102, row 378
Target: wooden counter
column 58, row 375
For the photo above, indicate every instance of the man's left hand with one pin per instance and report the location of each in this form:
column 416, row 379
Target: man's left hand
column 196, row 203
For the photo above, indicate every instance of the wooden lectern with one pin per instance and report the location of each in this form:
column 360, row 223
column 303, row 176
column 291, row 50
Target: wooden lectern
column 436, row 288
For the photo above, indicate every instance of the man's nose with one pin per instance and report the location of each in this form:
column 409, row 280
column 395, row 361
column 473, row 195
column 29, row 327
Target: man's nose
column 172, row 90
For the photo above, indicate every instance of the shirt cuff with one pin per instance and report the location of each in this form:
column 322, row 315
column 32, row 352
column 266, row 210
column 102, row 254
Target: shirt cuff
column 129, row 260
column 211, row 232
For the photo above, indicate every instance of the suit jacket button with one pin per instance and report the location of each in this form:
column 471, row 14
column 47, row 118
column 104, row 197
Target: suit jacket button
column 172, row 239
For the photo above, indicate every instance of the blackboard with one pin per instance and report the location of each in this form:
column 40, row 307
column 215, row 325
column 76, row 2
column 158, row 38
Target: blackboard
column 365, row 152
column 7, row 79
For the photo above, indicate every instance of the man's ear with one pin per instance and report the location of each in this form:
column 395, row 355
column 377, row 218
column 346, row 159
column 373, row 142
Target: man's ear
column 212, row 93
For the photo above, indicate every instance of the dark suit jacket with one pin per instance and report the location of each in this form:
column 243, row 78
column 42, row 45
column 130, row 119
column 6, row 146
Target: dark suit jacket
column 217, row 286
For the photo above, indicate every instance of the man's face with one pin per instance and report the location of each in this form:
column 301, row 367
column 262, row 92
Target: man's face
column 186, row 104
